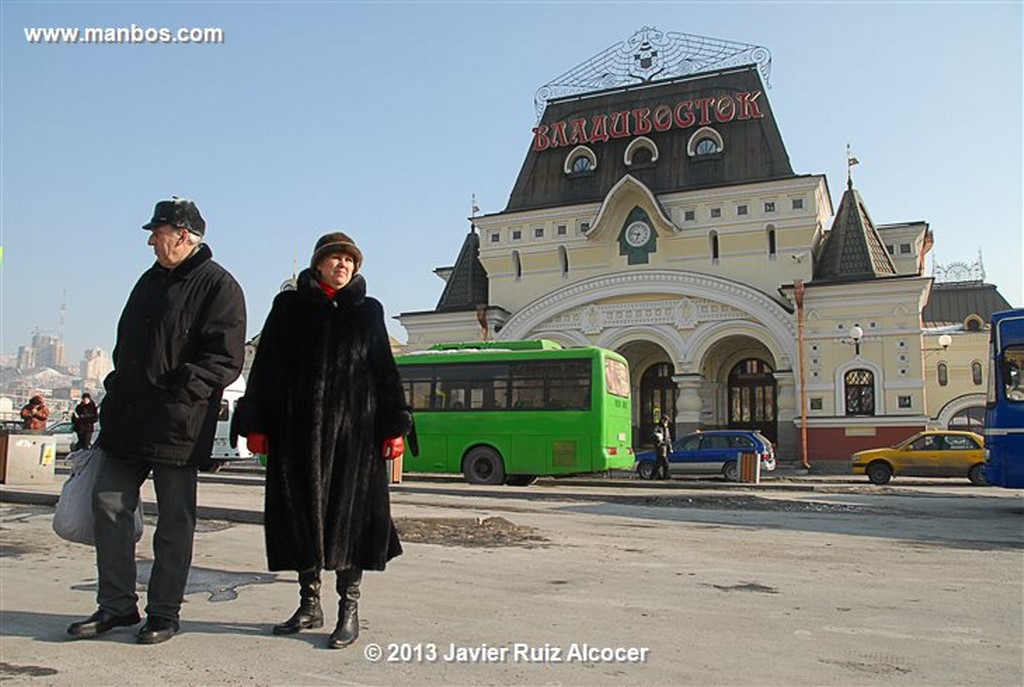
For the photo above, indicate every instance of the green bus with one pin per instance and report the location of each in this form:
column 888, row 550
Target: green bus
column 510, row 411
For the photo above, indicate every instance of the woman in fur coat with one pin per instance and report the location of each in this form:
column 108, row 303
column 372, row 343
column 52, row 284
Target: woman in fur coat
column 324, row 401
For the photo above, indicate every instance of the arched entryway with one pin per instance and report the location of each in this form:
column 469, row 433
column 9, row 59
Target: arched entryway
column 752, row 397
column 657, row 399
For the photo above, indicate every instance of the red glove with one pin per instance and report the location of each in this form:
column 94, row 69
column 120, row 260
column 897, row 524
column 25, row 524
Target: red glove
column 393, row 448
column 257, row 443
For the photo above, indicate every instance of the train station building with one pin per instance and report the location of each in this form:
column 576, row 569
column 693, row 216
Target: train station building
column 657, row 214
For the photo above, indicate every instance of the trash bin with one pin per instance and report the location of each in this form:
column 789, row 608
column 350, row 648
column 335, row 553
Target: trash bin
column 750, row 468
column 27, row 457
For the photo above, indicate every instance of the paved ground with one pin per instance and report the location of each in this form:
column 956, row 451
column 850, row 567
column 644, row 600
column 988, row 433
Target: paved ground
column 796, row 582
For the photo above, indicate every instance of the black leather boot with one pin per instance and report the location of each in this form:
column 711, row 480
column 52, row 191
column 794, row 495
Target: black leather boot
column 348, row 609
column 310, row 613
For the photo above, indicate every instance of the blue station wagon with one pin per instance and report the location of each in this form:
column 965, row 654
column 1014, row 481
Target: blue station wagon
column 714, row 451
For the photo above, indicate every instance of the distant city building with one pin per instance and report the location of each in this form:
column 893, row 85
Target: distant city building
column 50, row 351
column 26, row 358
column 95, row 367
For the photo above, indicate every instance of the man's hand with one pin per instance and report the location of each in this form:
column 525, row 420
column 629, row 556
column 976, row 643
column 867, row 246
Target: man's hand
column 393, row 448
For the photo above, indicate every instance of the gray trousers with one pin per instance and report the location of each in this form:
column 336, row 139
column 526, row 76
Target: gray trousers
column 115, row 498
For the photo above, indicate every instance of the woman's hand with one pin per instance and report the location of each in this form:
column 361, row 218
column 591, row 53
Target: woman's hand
column 393, row 448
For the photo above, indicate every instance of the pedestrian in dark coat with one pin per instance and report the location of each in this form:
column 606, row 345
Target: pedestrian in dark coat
column 83, row 420
column 663, row 441
column 34, row 413
column 325, row 401
column 180, row 341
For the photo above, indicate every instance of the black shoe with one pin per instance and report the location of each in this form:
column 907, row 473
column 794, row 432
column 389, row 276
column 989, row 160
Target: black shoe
column 99, row 622
column 347, row 630
column 157, row 630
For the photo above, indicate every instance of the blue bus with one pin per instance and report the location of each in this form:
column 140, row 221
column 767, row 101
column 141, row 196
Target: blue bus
column 1004, row 416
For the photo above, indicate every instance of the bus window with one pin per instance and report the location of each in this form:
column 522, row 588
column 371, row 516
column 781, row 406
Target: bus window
column 616, row 377
column 552, row 385
column 418, row 394
column 1014, row 361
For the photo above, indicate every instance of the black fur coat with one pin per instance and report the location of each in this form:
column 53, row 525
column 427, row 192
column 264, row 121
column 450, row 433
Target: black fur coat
column 325, row 389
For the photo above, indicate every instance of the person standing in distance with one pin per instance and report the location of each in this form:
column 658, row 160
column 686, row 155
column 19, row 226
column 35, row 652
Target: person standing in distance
column 34, row 413
column 83, row 420
column 325, row 402
column 663, row 441
column 180, row 341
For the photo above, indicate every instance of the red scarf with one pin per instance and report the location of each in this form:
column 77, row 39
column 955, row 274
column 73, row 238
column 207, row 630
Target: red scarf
column 327, row 289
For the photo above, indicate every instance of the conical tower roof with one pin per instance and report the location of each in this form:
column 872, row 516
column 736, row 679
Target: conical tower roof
column 853, row 250
column 467, row 283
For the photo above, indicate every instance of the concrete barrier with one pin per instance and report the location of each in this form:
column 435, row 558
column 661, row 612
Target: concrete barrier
column 27, row 457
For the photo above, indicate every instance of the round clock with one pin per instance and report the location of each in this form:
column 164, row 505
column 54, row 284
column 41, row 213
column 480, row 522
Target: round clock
column 638, row 234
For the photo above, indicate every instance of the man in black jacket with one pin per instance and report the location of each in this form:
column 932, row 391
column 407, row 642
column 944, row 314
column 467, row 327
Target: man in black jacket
column 180, row 341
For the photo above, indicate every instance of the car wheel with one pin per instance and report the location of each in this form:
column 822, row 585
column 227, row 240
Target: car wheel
column 731, row 471
column 977, row 474
column 520, row 480
column 879, row 472
column 483, row 465
column 646, row 469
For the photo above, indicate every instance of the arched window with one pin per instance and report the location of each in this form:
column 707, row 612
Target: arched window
column 976, row 373
column 517, row 265
column 713, row 243
column 563, row 258
column 706, row 146
column 943, row 372
column 969, row 420
column 580, row 160
column 859, row 388
column 641, row 151
column 705, row 141
column 973, row 323
column 771, row 240
column 642, row 156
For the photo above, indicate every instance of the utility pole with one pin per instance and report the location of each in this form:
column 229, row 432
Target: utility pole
column 798, row 292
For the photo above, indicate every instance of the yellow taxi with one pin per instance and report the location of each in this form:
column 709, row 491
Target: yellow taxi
column 935, row 453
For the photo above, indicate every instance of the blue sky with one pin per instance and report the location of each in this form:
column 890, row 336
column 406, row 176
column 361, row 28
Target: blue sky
column 382, row 119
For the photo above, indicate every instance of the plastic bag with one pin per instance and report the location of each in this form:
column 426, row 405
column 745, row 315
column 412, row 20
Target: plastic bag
column 73, row 518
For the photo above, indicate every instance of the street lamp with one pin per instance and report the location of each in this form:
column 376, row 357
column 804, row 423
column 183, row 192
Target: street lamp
column 944, row 341
column 856, row 334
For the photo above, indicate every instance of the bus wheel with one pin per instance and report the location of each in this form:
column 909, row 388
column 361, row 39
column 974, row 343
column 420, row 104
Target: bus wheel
column 731, row 471
column 646, row 469
column 520, row 480
column 483, row 466
column 977, row 474
column 879, row 472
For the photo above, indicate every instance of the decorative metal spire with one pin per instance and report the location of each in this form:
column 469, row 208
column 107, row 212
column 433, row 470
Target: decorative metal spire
column 959, row 271
column 648, row 55
column 850, row 162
